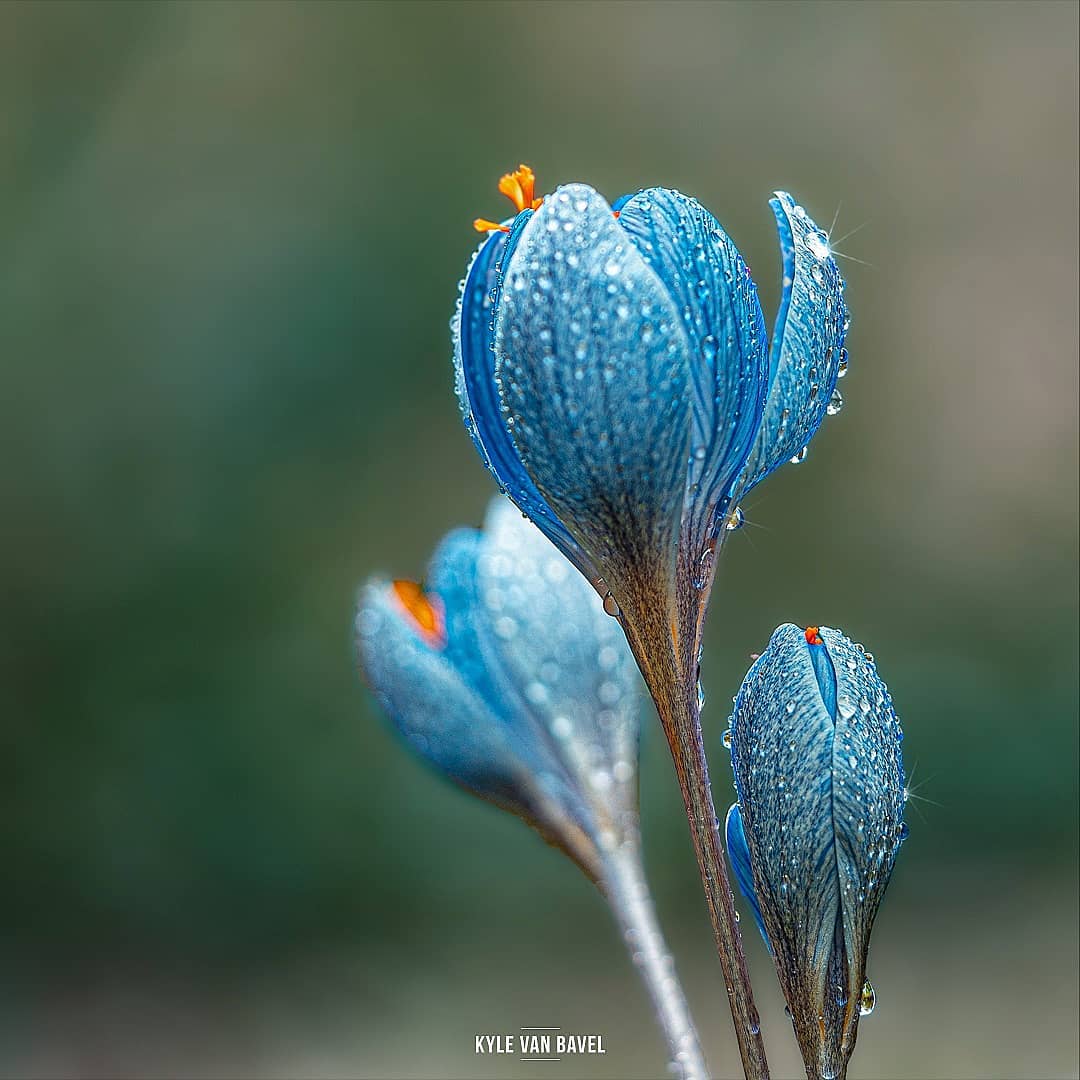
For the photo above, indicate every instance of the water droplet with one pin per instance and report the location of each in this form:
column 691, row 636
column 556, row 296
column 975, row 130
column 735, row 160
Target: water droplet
column 800, row 457
column 726, row 739
column 708, row 347
column 789, row 708
column 613, row 268
column 818, row 243
column 836, row 403
column 734, row 519
column 704, row 568
column 611, row 606
column 903, row 831
column 561, row 727
column 868, row 999
column 841, row 369
column 700, row 696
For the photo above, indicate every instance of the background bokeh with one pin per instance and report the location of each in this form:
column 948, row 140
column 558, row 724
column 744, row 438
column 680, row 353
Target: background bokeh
column 232, row 235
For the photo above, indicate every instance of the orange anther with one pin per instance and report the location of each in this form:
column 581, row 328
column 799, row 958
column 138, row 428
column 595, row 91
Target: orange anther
column 483, row 225
column 426, row 612
column 520, row 188
column 813, row 636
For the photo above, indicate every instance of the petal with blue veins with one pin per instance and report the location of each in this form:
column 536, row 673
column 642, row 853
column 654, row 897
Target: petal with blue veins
column 808, row 339
column 474, row 378
column 592, row 362
column 711, row 286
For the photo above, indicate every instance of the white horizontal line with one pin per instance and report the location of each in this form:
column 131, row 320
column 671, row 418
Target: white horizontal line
column 539, row 1029
column 540, row 1059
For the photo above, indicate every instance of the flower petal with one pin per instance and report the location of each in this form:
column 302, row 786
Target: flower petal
column 739, row 854
column 579, row 678
column 808, row 339
column 474, row 379
column 712, row 288
column 592, row 364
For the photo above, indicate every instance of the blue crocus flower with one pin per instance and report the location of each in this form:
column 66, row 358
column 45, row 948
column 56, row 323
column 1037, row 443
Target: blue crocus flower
column 614, row 371
column 815, row 747
column 504, row 673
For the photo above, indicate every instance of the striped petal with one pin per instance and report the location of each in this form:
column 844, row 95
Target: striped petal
column 473, row 330
column 807, row 345
column 592, row 362
column 712, row 289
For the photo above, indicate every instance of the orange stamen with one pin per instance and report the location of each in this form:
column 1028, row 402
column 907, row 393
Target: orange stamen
column 426, row 612
column 520, row 188
column 483, row 225
column 813, row 636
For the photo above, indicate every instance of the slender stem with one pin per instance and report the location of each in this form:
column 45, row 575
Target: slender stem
column 628, row 893
column 682, row 726
column 693, row 771
column 670, row 671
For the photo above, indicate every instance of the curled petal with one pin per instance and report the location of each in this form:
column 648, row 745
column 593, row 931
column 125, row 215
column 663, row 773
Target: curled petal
column 808, row 339
column 816, row 755
column 717, row 299
column 592, row 361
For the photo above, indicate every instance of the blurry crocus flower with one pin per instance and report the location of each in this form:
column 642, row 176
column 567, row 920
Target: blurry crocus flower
column 505, row 674
column 815, row 747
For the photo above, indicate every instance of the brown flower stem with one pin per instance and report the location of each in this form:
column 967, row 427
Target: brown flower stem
column 683, row 729
column 674, row 690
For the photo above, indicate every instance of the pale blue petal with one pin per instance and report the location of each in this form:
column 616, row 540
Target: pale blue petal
column 712, row 289
column 808, row 340
column 592, row 361
column 568, row 658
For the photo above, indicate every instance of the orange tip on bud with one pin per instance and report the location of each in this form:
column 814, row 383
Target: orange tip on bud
column 426, row 612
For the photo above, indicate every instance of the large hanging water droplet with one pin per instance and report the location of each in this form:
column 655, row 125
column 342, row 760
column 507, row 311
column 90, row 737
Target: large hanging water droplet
column 841, row 370
column 902, row 832
column 726, row 739
column 867, row 1000
column 836, row 403
column 734, row 519
column 800, row 457
column 611, row 606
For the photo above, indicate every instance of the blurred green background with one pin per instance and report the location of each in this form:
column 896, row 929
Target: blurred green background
column 232, row 235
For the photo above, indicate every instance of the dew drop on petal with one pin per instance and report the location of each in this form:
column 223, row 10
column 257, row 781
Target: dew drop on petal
column 734, row 519
column 867, row 1000
column 611, row 606
column 818, row 243
column 836, row 403
column 800, row 457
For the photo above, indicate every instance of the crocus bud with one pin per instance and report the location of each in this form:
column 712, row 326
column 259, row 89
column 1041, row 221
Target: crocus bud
column 815, row 747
